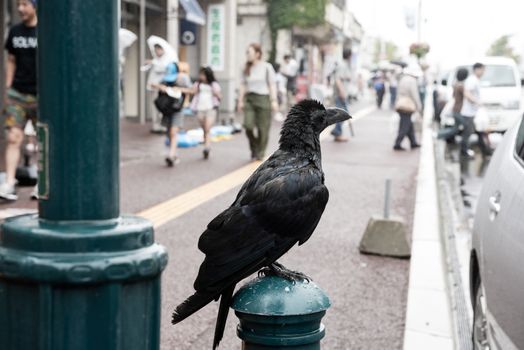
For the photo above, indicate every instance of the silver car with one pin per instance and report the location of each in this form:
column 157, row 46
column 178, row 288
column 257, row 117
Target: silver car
column 497, row 256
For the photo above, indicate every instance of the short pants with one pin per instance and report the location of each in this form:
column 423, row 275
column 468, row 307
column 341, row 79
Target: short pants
column 19, row 109
column 210, row 115
column 176, row 120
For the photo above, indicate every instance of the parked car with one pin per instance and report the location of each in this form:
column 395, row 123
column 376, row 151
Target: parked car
column 500, row 93
column 496, row 264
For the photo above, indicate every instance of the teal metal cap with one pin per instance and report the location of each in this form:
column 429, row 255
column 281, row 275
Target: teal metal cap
column 276, row 296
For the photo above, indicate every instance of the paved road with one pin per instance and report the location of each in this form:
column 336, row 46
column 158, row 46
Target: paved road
column 368, row 293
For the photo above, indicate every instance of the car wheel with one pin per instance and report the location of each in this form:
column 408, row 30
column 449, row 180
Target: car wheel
column 480, row 323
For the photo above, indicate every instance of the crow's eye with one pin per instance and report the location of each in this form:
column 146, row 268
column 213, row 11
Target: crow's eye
column 318, row 121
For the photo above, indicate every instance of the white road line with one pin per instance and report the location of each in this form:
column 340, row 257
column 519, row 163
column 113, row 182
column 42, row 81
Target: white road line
column 357, row 116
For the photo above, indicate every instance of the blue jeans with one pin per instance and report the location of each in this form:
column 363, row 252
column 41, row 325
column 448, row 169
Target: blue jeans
column 450, row 132
column 392, row 96
column 340, row 103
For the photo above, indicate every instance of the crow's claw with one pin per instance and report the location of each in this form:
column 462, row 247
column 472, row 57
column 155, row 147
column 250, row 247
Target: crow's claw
column 279, row 270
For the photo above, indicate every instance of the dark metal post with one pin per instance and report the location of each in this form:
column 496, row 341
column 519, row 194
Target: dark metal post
column 3, row 12
column 79, row 276
column 387, row 198
column 78, row 93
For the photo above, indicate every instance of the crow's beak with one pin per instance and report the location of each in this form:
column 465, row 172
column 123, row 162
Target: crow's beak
column 335, row 115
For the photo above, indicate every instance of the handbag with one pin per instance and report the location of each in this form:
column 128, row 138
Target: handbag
column 405, row 104
column 168, row 105
column 481, row 120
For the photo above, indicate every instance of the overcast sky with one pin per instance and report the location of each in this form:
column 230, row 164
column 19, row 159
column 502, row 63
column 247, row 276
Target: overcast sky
column 457, row 30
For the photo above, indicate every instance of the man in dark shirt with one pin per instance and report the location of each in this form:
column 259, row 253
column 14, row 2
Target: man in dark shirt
column 21, row 103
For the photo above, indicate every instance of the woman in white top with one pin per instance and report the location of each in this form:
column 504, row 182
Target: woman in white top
column 257, row 98
column 205, row 103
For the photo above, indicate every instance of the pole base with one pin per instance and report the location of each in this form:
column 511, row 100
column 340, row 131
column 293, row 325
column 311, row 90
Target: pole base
column 85, row 285
column 385, row 237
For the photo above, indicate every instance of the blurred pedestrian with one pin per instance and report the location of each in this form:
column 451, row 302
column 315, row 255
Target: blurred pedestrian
column 458, row 100
column 393, row 84
column 470, row 108
column 290, row 70
column 257, row 97
column 407, row 103
column 380, row 88
column 157, row 70
column 422, row 88
column 360, row 85
column 281, row 82
column 205, row 103
column 176, row 84
column 341, row 89
column 21, row 85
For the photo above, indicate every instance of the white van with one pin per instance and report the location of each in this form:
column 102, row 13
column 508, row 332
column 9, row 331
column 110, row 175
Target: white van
column 500, row 93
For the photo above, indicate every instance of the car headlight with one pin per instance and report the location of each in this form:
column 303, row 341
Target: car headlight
column 512, row 104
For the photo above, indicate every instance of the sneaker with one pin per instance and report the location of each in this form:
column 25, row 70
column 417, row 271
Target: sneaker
column 8, row 192
column 172, row 161
column 399, row 148
column 416, row 145
column 34, row 193
column 470, row 154
column 341, row 139
column 205, row 152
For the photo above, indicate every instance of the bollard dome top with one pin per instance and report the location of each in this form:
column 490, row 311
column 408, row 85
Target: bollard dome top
column 275, row 296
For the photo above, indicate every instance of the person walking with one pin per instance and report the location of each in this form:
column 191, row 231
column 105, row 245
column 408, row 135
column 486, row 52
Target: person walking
column 470, row 108
column 205, row 103
column 408, row 102
column 380, row 88
column 393, row 84
column 290, row 71
column 341, row 88
column 157, row 70
column 257, row 98
column 458, row 98
column 281, row 82
column 21, row 85
column 177, row 85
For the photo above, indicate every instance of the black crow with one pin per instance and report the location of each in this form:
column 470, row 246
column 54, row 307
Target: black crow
column 277, row 207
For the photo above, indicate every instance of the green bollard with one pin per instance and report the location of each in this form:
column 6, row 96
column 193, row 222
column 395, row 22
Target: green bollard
column 275, row 314
column 79, row 276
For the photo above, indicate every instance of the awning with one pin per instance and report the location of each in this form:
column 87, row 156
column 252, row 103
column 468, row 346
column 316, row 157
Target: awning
column 194, row 12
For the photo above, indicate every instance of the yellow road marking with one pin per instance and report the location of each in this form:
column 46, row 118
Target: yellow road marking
column 171, row 209
column 175, row 207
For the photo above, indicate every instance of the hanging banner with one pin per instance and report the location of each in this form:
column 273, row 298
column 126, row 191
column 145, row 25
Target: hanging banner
column 215, row 36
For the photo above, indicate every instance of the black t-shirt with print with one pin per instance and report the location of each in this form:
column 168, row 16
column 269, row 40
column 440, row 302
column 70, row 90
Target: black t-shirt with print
column 22, row 43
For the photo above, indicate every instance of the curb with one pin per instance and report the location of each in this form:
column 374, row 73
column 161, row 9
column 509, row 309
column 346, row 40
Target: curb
column 428, row 316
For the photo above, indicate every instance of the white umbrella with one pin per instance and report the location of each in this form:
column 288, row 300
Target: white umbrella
column 159, row 64
column 126, row 38
column 170, row 53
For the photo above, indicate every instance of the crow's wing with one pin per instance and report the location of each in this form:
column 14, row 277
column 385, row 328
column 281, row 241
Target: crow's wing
column 260, row 226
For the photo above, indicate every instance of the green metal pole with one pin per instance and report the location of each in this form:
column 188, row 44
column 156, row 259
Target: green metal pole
column 79, row 276
column 78, row 96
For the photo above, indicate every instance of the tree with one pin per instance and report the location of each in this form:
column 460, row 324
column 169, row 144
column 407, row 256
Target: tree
column 391, row 51
column 384, row 50
column 501, row 47
column 284, row 14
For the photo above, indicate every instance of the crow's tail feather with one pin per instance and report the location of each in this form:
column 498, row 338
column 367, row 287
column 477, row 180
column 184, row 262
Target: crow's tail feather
column 192, row 305
column 225, row 304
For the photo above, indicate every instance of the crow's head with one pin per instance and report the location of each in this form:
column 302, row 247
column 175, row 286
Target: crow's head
column 306, row 120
